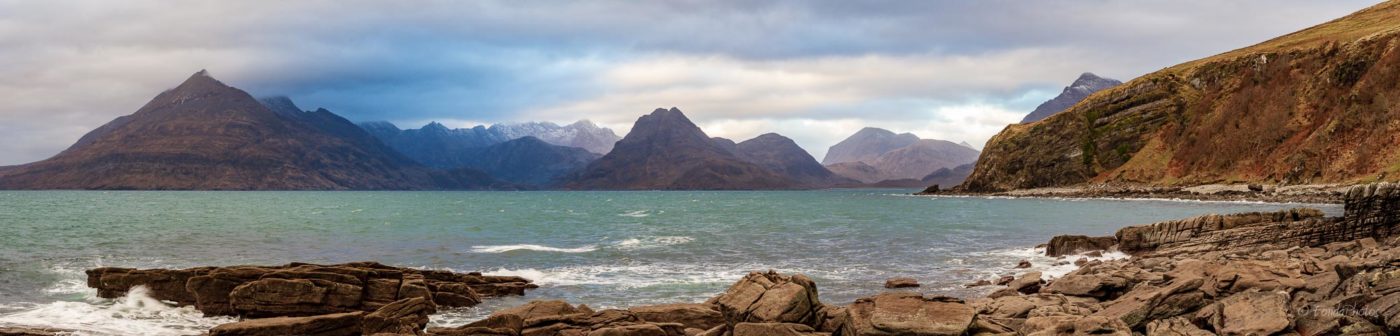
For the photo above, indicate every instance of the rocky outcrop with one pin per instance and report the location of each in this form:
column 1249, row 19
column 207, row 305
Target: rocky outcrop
column 1304, row 108
column 306, row 289
column 343, row 324
column 1072, row 244
column 904, row 313
column 769, row 297
column 1085, row 85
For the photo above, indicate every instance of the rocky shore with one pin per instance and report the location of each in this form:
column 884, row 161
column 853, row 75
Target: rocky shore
column 1311, row 194
column 1293, row 272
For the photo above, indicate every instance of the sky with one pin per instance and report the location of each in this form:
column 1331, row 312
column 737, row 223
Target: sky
column 815, row 71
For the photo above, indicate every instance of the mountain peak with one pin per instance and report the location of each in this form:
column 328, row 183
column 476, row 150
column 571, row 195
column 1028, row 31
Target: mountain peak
column 282, row 105
column 1088, row 83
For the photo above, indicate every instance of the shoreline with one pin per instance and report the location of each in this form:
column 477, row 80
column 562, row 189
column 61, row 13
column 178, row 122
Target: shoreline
column 1332, row 194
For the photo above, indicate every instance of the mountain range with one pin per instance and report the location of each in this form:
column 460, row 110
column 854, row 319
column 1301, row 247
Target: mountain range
column 872, row 155
column 206, row 135
column 665, row 150
column 1313, row 106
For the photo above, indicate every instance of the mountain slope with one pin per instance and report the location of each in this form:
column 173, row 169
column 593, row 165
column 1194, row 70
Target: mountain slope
column 867, row 144
column 1315, row 106
column 528, row 161
column 781, row 155
column 665, row 150
column 1085, row 85
column 434, row 145
column 921, row 158
column 206, row 135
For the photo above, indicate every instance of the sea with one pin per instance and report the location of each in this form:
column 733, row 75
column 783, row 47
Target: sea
column 606, row 249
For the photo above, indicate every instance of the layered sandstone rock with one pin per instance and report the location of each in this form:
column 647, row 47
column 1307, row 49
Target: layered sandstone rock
column 1071, row 244
column 303, row 289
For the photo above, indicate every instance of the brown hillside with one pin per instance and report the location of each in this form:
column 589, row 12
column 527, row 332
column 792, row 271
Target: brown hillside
column 1315, row 106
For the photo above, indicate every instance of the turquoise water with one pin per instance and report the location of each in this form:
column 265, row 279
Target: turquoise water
column 606, row 249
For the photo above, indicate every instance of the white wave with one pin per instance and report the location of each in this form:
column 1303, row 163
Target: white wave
column 642, row 243
column 1049, row 267
column 635, row 214
column 633, row 276
column 135, row 314
column 531, row 247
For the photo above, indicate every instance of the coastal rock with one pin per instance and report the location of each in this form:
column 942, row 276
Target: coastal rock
column 1176, row 326
column 1198, row 234
column 344, row 324
column 901, row 282
column 1249, row 313
column 1026, row 284
column 1023, row 264
column 775, row 329
column 905, row 313
column 495, row 325
column 1148, row 303
column 23, row 331
column 407, row 316
column 769, row 297
column 541, row 309
column 691, row 315
column 1072, row 244
column 300, row 289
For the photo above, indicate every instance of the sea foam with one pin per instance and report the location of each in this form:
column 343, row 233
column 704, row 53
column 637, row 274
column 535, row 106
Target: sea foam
column 531, row 247
column 134, row 314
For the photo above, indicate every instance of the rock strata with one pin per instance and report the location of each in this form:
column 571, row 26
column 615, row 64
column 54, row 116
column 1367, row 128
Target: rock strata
column 300, row 289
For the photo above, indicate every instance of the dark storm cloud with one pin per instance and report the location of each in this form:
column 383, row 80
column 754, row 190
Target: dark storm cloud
column 815, row 70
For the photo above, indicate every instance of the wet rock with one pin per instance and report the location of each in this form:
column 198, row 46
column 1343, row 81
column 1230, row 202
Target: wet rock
column 901, row 282
column 1026, row 284
column 344, row 324
column 25, row 331
column 495, row 325
column 1073, row 244
column 1005, row 279
column 769, row 297
column 300, row 289
column 691, row 315
column 905, row 313
column 1147, row 303
column 1023, row 264
column 979, row 283
column 407, row 316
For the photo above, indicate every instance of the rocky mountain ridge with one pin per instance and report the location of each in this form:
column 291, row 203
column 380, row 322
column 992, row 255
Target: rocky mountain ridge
column 206, row 135
column 1081, row 88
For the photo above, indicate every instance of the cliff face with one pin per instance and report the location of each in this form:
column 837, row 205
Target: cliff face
column 207, row 135
column 1315, row 106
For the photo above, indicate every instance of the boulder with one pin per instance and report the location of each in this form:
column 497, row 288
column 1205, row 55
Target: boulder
column 769, row 297
column 1147, row 303
column 1026, row 284
column 407, row 316
column 901, row 282
column 775, row 329
column 906, row 313
column 691, row 315
column 542, row 308
column 1023, row 264
column 1249, row 313
column 1072, row 244
column 343, row 324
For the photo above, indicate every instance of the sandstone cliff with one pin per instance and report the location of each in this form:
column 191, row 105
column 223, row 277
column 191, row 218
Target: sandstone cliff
column 1315, row 106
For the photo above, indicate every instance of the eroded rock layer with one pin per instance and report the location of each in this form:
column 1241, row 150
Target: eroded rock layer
column 300, row 289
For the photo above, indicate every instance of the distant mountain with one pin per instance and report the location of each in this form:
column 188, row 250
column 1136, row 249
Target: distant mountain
column 206, row 135
column 665, row 150
column 781, row 155
column 873, row 155
column 529, row 161
column 857, row 170
column 1085, row 85
column 867, row 144
column 582, row 134
column 434, row 144
column 921, row 158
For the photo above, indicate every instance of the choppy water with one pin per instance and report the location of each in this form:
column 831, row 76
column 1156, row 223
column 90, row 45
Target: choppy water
column 605, row 249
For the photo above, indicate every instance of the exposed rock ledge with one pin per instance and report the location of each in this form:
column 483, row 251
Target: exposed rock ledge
column 1285, row 273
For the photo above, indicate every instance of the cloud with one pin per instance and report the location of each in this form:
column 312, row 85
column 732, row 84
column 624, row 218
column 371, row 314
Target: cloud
column 798, row 66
